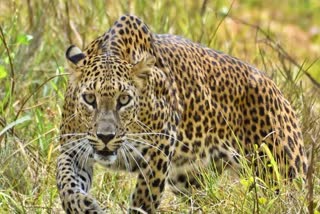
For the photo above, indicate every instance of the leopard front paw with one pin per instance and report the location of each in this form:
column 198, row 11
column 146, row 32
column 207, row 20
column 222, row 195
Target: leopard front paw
column 81, row 203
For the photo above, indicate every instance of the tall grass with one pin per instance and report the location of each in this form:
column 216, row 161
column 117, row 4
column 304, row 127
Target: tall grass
column 280, row 37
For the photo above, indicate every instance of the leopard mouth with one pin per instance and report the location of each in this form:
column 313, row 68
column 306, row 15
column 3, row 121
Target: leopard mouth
column 106, row 153
column 105, row 157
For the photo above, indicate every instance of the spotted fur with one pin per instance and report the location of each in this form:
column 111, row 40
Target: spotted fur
column 161, row 106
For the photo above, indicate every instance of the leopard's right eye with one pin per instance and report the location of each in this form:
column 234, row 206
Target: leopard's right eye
column 90, row 99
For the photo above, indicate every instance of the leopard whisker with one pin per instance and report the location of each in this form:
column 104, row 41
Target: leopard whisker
column 72, row 142
column 125, row 159
column 140, row 169
column 86, row 157
column 74, row 147
column 143, row 126
column 140, row 140
column 157, row 133
column 173, row 185
column 68, row 120
column 138, row 153
column 70, row 134
column 62, row 136
column 78, row 156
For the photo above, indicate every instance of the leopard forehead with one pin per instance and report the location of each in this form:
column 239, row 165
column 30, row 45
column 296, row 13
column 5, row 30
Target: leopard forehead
column 103, row 73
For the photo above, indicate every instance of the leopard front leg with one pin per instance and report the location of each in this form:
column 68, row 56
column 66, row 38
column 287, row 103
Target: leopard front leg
column 73, row 183
column 153, row 173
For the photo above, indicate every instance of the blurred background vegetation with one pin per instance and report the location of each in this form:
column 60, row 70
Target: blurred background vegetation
column 281, row 38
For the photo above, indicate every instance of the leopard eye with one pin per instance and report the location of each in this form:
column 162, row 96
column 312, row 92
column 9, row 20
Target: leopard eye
column 90, row 99
column 123, row 100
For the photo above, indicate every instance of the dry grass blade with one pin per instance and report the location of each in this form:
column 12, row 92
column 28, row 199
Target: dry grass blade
column 3, row 39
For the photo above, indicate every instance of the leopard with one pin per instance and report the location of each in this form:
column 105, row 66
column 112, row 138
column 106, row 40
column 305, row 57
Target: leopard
column 162, row 107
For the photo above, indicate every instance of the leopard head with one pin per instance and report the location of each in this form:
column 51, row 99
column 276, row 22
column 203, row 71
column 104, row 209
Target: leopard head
column 105, row 93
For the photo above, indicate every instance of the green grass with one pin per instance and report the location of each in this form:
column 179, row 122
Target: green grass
column 280, row 37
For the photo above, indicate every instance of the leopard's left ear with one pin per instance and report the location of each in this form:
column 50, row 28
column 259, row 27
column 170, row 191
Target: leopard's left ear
column 141, row 71
column 74, row 54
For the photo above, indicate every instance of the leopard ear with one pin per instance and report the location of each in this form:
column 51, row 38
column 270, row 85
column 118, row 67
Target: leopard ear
column 141, row 71
column 74, row 54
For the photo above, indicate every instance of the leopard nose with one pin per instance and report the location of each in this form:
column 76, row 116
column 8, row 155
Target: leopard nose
column 106, row 137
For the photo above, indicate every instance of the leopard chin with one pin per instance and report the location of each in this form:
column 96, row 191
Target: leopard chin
column 105, row 158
